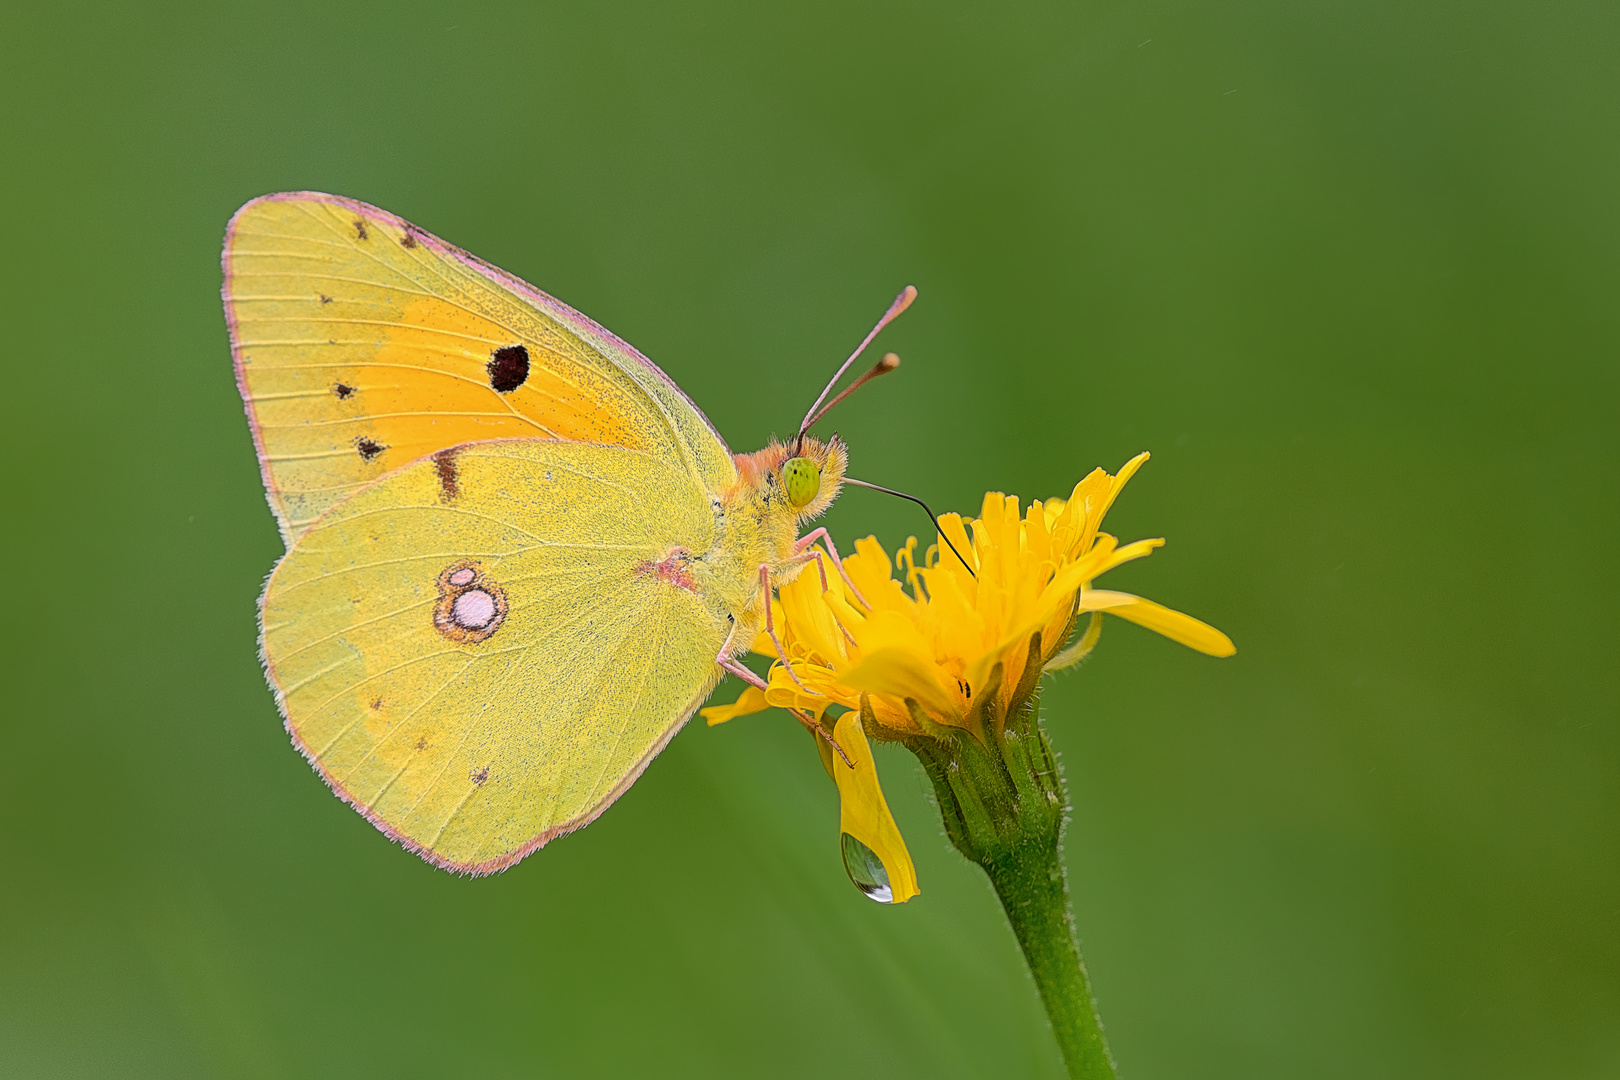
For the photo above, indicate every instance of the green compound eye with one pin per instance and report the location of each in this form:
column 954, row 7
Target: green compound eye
column 801, row 479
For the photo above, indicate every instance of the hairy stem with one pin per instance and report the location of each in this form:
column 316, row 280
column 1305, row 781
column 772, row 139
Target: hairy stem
column 1002, row 801
column 1035, row 895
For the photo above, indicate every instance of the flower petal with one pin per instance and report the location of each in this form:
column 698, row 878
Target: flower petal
column 1097, row 508
column 863, row 812
column 1137, row 549
column 869, row 568
column 752, row 701
column 900, row 674
column 807, row 626
column 897, row 659
column 951, row 555
column 1172, row 624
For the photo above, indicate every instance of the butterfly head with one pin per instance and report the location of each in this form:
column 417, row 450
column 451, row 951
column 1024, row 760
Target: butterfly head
column 803, row 476
column 810, row 478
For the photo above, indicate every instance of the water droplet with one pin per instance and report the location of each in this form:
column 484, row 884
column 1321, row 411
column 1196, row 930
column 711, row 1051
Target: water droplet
column 865, row 869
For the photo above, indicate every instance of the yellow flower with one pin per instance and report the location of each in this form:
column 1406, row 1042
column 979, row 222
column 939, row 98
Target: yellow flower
column 963, row 648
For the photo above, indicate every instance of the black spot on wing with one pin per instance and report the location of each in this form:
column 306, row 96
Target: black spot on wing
column 508, row 368
column 342, row 390
column 360, row 230
column 369, row 448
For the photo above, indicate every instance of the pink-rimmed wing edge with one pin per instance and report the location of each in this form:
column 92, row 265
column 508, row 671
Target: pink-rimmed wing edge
column 592, row 332
column 595, row 335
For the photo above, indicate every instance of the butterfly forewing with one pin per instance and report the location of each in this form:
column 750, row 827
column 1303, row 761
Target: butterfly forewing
column 363, row 343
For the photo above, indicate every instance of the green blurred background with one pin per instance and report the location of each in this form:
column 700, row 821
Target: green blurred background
column 1349, row 270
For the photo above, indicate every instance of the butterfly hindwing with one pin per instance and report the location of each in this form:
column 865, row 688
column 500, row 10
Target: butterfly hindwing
column 484, row 648
column 363, row 343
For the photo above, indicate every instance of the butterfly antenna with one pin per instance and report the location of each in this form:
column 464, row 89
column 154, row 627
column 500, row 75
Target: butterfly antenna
column 901, row 302
column 930, row 513
column 889, row 362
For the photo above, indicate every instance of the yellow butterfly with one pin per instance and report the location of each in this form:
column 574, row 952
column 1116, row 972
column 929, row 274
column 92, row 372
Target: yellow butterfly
column 519, row 558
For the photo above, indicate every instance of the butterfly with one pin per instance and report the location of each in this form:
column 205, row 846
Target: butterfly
column 518, row 556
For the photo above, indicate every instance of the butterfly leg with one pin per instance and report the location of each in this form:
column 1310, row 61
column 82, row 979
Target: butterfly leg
column 804, row 557
column 743, row 673
column 821, row 568
column 751, row 679
column 825, row 734
column 820, row 533
column 770, row 627
column 726, row 661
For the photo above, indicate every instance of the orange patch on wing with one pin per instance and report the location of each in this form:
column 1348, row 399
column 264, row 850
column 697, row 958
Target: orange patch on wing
column 429, row 387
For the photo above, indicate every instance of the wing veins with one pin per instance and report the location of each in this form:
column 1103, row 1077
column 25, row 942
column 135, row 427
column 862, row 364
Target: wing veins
column 350, row 364
column 355, row 626
column 357, row 515
column 399, row 725
column 392, row 416
column 372, row 803
column 418, row 327
column 641, row 688
column 352, row 687
column 451, row 756
column 328, row 669
column 428, row 790
column 239, row 254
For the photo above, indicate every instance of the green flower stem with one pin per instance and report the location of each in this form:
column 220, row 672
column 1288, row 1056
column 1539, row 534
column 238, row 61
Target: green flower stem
column 1003, row 802
column 1035, row 895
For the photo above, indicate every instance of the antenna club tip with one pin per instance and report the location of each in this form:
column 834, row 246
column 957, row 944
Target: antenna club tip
column 889, row 362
